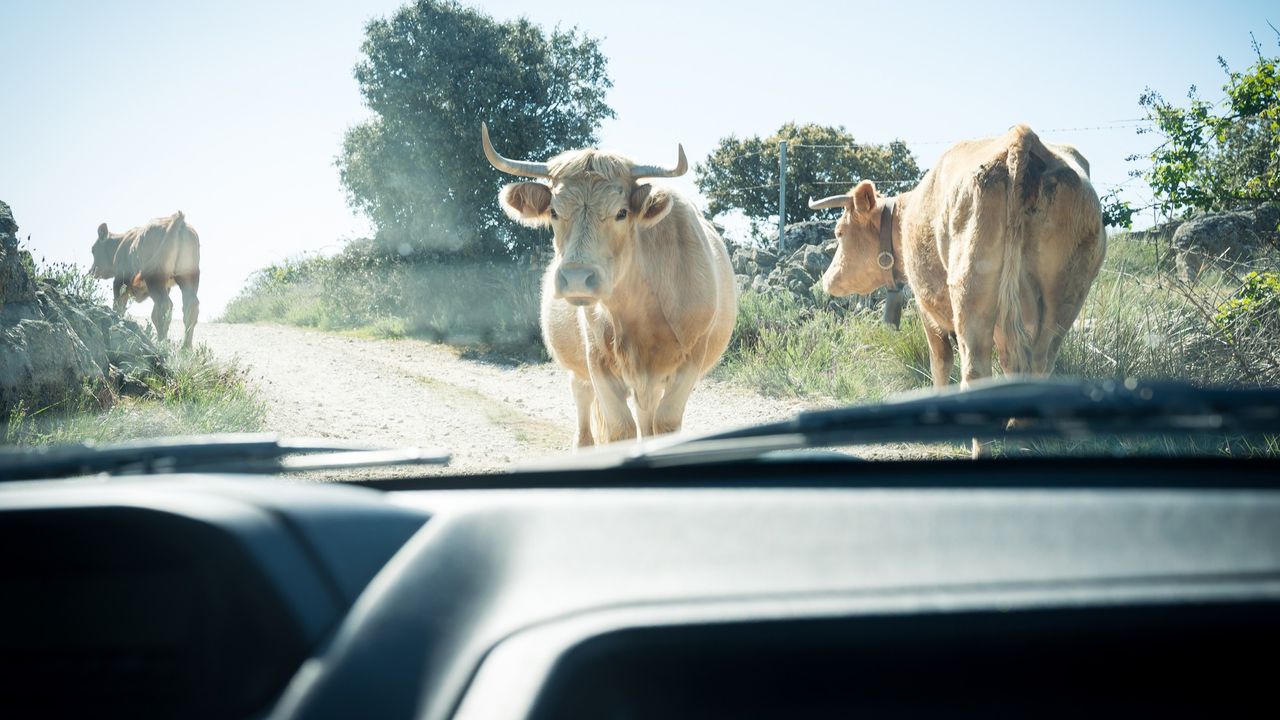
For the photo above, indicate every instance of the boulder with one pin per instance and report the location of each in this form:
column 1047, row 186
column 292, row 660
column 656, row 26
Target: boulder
column 1222, row 239
column 55, row 348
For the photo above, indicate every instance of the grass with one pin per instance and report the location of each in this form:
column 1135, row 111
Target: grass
column 196, row 394
column 782, row 348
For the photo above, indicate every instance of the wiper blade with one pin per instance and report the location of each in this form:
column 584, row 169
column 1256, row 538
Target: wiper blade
column 1062, row 408
column 229, row 453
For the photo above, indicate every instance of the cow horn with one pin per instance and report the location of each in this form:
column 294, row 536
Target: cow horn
column 523, row 168
column 835, row 201
column 657, row 171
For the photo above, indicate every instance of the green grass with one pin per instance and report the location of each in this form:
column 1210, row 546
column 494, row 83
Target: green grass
column 784, row 349
column 197, row 394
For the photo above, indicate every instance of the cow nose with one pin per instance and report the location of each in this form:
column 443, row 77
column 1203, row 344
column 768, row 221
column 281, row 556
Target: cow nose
column 577, row 280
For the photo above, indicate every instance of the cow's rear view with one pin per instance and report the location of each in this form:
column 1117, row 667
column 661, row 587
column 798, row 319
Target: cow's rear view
column 1000, row 243
column 148, row 260
column 1052, row 250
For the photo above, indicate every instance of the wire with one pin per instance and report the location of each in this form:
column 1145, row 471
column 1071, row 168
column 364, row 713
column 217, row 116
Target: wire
column 1117, row 125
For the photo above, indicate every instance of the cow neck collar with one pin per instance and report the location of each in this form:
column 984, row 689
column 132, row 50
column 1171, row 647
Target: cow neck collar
column 887, row 261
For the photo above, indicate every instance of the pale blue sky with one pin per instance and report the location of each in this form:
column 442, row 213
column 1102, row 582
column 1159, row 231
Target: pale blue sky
column 234, row 110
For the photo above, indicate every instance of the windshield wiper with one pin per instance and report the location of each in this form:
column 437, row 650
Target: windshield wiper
column 1061, row 408
column 227, row 453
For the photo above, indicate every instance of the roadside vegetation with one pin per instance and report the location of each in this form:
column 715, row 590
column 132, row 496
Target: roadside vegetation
column 177, row 393
column 195, row 394
column 1140, row 320
column 486, row 307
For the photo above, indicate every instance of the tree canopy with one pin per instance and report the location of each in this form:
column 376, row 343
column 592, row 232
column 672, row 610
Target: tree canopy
column 742, row 174
column 431, row 73
column 1218, row 156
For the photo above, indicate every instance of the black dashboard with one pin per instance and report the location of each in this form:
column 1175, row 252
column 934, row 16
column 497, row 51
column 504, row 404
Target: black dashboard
column 951, row 589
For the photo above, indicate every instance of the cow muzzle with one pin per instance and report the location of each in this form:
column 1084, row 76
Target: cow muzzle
column 579, row 284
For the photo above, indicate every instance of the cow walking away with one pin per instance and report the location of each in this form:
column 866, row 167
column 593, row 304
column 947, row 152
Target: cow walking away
column 149, row 260
column 640, row 299
column 1000, row 243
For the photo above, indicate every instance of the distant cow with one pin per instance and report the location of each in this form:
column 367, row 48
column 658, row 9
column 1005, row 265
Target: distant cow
column 640, row 298
column 1000, row 243
column 149, row 260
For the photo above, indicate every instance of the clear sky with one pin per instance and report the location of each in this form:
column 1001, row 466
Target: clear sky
column 234, row 110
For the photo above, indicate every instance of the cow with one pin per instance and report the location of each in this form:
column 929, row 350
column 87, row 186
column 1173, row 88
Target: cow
column 639, row 300
column 999, row 242
column 149, row 260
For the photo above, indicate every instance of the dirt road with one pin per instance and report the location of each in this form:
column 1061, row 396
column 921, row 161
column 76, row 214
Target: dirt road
column 409, row 392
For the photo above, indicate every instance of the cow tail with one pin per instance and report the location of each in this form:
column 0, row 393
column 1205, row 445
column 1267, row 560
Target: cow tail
column 1023, row 188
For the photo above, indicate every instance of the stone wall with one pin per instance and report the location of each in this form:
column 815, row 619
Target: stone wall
column 811, row 247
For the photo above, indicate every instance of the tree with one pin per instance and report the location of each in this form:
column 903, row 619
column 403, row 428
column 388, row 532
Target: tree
column 742, row 174
column 431, row 73
column 1218, row 156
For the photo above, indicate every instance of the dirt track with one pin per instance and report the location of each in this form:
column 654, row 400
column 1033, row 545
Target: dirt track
column 409, row 392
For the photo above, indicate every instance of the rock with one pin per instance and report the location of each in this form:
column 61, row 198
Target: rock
column 54, row 348
column 16, row 285
column 810, row 232
column 1222, row 239
column 1161, row 235
column 1266, row 222
column 812, row 259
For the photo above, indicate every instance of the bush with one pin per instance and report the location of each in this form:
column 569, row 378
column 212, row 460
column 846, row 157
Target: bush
column 1256, row 306
column 492, row 305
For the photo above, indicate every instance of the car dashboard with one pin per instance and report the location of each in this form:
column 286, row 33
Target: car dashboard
column 767, row 590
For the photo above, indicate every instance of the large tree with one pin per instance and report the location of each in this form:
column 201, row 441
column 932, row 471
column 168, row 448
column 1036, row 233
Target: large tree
column 431, row 73
column 742, row 174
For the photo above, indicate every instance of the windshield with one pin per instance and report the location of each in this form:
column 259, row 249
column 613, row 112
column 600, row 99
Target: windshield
column 518, row 232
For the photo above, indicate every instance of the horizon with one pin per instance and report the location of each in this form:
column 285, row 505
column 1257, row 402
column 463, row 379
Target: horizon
column 235, row 113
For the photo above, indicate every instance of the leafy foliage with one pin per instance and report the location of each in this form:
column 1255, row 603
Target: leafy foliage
column 1219, row 156
column 1256, row 306
column 1116, row 212
column 742, row 174
column 431, row 73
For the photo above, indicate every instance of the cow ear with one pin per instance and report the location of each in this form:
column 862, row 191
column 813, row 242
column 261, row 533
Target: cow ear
column 650, row 204
column 864, row 196
column 102, row 231
column 528, row 203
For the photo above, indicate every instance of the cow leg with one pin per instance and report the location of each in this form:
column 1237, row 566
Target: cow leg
column 584, row 398
column 648, row 396
column 161, row 306
column 941, row 354
column 611, row 404
column 974, row 298
column 119, row 294
column 670, row 415
column 1061, row 308
column 189, row 284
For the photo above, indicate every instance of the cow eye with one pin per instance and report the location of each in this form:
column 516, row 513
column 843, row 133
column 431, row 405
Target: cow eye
column 554, row 215
column 622, row 214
